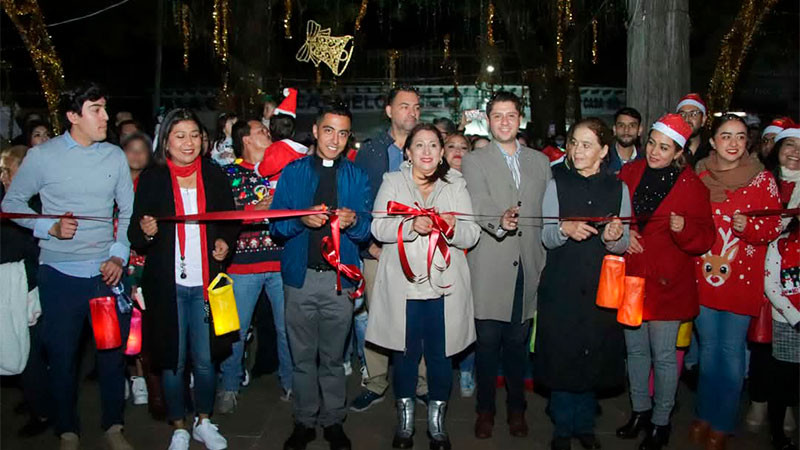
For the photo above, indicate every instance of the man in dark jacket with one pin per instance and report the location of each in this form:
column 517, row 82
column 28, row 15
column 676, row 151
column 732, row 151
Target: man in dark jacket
column 627, row 130
column 384, row 153
column 318, row 318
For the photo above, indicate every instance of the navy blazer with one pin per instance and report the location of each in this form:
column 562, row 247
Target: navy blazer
column 373, row 157
column 296, row 190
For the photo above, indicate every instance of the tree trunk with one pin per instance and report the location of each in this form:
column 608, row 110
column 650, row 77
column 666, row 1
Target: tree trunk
column 658, row 56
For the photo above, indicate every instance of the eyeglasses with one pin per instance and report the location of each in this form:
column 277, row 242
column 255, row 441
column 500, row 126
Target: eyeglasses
column 693, row 114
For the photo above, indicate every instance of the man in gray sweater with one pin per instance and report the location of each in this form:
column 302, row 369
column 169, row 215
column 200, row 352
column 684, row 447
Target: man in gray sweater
column 78, row 174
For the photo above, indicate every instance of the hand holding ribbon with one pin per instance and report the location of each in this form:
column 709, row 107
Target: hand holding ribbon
column 331, row 253
column 441, row 226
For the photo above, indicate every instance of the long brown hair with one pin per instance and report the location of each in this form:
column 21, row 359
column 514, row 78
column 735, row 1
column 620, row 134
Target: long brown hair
column 444, row 167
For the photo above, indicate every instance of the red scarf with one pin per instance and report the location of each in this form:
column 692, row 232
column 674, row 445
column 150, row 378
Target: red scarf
column 183, row 172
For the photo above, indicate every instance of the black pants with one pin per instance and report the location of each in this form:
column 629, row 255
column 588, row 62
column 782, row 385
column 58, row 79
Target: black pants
column 783, row 393
column 759, row 381
column 33, row 379
column 506, row 341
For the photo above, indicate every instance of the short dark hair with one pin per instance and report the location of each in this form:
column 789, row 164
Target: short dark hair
column 281, row 126
column 170, row 119
column 444, row 167
column 603, row 133
column 400, row 88
column 449, row 125
column 128, row 122
column 628, row 111
column 240, row 129
column 504, row 96
column 72, row 100
column 337, row 108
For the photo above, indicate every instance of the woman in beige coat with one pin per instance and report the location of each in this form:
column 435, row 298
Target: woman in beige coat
column 436, row 313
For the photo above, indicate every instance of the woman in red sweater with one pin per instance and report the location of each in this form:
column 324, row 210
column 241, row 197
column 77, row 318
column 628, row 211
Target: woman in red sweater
column 662, row 249
column 730, row 276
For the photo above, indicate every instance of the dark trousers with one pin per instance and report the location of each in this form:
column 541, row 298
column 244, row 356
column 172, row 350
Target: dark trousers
column 65, row 308
column 759, row 379
column 506, row 341
column 425, row 334
column 783, row 393
column 572, row 413
column 34, row 378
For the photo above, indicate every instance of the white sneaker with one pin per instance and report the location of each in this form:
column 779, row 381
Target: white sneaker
column 364, row 375
column 348, row 368
column 756, row 415
column 191, row 381
column 287, row 395
column 246, row 380
column 208, row 433
column 180, row 440
column 789, row 423
column 139, row 390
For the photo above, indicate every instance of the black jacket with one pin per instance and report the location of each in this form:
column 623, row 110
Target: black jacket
column 154, row 198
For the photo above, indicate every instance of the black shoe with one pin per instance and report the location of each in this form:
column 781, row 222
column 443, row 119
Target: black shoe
column 639, row 421
column 34, row 427
column 589, row 441
column 402, row 441
column 783, row 443
column 690, row 377
column 656, row 438
column 560, row 443
column 439, row 444
column 301, row 436
column 423, row 400
column 335, row 436
column 21, row 408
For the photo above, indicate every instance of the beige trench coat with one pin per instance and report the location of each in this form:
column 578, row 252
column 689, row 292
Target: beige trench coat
column 387, row 316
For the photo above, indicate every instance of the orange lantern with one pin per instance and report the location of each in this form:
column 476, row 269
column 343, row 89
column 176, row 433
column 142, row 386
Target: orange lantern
column 611, row 288
column 105, row 323
column 630, row 311
column 134, row 345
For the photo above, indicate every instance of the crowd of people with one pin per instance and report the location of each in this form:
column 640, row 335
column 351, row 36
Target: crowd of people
column 424, row 252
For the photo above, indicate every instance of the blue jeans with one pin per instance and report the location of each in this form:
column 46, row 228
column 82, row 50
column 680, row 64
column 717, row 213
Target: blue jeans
column 425, row 334
column 722, row 339
column 467, row 363
column 246, row 289
column 192, row 330
column 356, row 338
column 65, row 308
column 572, row 413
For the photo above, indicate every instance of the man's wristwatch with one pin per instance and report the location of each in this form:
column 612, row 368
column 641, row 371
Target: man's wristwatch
column 561, row 231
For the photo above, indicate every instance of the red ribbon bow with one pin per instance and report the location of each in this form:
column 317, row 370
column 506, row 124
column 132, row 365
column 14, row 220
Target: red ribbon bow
column 330, row 251
column 435, row 240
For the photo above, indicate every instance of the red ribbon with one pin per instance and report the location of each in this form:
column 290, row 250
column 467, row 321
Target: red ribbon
column 435, row 239
column 330, row 251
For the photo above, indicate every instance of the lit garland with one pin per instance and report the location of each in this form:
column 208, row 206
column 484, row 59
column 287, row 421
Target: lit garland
column 393, row 56
column 594, row 40
column 490, row 24
column 362, row 11
column 27, row 18
column 568, row 6
column 186, row 30
column 221, row 16
column 446, row 63
column 287, row 20
column 560, row 19
column 733, row 51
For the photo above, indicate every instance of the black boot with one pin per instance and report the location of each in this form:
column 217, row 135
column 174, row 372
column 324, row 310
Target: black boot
column 336, row 438
column 639, row 421
column 656, row 438
column 300, row 437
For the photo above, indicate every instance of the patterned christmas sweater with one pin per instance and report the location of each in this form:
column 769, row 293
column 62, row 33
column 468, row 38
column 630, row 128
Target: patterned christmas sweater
column 255, row 251
column 730, row 276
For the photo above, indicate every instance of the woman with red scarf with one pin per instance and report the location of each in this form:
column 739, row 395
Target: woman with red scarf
column 181, row 260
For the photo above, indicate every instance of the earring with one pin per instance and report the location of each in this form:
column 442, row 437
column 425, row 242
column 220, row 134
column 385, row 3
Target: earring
column 441, row 161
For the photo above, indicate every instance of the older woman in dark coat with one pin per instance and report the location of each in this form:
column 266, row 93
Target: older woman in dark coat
column 580, row 348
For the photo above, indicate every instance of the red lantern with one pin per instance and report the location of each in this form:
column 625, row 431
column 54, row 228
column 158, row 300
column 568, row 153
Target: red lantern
column 105, row 323
column 134, row 345
column 611, row 288
column 630, row 312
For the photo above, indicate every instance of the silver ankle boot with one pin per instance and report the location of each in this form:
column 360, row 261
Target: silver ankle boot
column 436, row 431
column 404, row 435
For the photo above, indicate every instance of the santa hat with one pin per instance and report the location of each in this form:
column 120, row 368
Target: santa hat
column 674, row 127
column 790, row 131
column 777, row 125
column 289, row 104
column 694, row 100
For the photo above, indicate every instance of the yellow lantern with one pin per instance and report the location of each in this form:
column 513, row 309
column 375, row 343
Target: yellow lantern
column 223, row 305
column 684, row 335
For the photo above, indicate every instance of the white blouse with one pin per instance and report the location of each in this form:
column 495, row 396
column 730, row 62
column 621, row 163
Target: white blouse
column 194, row 259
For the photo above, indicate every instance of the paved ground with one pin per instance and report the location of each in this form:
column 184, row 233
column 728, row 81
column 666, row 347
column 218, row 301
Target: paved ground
column 262, row 421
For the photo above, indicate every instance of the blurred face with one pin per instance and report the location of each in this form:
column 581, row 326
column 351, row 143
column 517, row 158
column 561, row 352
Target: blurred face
column 39, row 134
column 128, row 128
column 455, row 147
column 730, row 141
column 206, row 142
column 137, row 153
column 259, row 136
column 8, row 168
column 585, row 151
column 184, row 143
column 789, row 156
column 331, row 133
column 661, row 150
column 269, row 110
column 694, row 117
column 504, row 122
column 425, row 152
column 627, row 130
column 767, row 142
column 92, row 123
column 404, row 110
column 480, row 143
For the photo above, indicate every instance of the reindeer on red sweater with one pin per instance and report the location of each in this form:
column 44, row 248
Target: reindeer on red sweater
column 717, row 268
